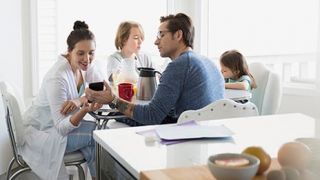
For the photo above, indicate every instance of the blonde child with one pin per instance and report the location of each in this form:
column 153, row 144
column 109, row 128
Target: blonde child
column 236, row 72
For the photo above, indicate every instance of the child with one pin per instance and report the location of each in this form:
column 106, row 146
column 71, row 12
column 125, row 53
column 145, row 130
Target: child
column 236, row 72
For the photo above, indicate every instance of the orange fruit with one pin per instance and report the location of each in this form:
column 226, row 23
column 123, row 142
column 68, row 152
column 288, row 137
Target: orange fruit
column 294, row 154
column 262, row 155
column 135, row 90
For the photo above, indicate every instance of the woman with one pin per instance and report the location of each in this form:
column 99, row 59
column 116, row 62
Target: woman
column 128, row 42
column 54, row 123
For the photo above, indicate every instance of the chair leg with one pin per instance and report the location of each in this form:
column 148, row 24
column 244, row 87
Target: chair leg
column 80, row 172
column 19, row 172
column 104, row 125
column 97, row 160
column 9, row 168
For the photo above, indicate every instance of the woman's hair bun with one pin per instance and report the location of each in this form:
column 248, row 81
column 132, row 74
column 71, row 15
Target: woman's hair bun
column 80, row 25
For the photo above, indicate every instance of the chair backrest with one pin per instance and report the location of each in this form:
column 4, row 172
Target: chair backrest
column 267, row 95
column 13, row 105
column 224, row 108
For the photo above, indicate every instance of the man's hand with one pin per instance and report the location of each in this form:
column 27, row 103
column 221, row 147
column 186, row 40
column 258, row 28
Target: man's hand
column 101, row 97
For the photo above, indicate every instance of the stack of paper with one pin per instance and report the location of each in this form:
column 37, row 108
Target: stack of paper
column 192, row 132
column 186, row 131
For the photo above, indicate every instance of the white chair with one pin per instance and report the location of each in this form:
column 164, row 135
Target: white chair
column 220, row 109
column 267, row 95
column 13, row 107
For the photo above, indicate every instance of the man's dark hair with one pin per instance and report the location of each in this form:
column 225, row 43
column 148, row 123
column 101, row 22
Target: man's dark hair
column 181, row 22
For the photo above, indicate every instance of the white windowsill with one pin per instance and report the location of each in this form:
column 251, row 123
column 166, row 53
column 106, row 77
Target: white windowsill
column 301, row 89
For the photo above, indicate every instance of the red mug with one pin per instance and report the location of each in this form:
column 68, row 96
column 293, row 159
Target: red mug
column 125, row 91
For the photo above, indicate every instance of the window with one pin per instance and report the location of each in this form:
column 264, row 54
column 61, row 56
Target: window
column 54, row 21
column 282, row 34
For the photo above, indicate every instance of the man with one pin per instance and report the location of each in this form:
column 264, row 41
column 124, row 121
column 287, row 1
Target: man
column 189, row 81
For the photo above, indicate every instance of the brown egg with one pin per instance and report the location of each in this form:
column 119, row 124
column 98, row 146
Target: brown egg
column 294, row 154
column 308, row 175
column 276, row 175
column 291, row 173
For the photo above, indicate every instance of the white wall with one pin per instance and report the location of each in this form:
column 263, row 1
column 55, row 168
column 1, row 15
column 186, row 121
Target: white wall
column 306, row 104
column 11, row 68
column 105, row 27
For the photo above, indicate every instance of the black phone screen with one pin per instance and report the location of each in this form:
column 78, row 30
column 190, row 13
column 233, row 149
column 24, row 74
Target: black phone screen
column 97, row 86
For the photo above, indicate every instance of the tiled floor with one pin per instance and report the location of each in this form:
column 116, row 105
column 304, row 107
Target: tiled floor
column 31, row 176
column 23, row 176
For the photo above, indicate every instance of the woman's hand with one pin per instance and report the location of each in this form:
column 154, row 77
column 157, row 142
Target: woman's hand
column 103, row 97
column 92, row 106
column 82, row 101
column 69, row 106
column 72, row 105
column 86, row 107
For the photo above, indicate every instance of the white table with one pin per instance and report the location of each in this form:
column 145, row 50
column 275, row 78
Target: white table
column 237, row 95
column 135, row 155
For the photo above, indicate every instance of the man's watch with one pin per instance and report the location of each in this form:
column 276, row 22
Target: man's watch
column 114, row 102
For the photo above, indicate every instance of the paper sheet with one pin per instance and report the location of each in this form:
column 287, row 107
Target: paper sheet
column 193, row 132
column 222, row 132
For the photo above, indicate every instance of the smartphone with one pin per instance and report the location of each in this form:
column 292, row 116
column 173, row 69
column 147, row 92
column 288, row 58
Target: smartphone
column 97, row 86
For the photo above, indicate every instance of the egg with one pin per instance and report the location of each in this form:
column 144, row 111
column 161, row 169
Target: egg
column 294, row 154
column 291, row 173
column 308, row 175
column 276, row 175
